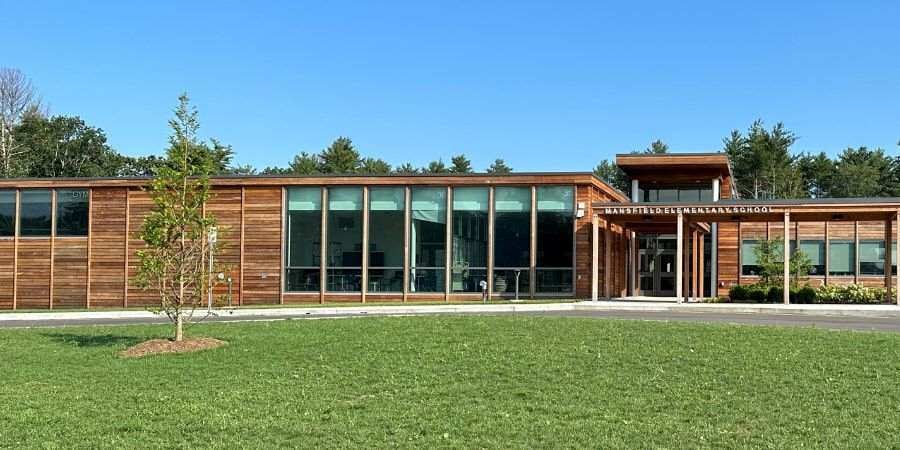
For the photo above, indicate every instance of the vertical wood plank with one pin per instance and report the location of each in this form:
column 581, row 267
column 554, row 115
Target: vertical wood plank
column 52, row 241
column 448, row 242
column 363, row 290
column 281, row 253
column 490, row 256
column 87, row 297
column 323, row 247
column 679, row 256
column 241, row 273
column 16, row 250
column 407, row 217
column 786, row 251
column 127, row 236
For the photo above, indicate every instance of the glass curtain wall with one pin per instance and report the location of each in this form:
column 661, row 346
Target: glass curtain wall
column 555, row 238
column 345, row 252
column 469, row 238
column 7, row 213
column 387, row 206
column 304, row 238
column 428, row 239
column 35, row 213
column 512, row 240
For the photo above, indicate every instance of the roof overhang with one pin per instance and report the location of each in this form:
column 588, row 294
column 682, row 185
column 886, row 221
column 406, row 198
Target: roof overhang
column 752, row 211
column 641, row 165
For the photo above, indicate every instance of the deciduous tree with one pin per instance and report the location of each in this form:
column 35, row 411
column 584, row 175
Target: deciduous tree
column 18, row 100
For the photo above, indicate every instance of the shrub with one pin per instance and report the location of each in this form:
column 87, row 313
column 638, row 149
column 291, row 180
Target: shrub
column 738, row 294
column 849, row 294
column 758, row 293
column 775, row 295
column 804, row 295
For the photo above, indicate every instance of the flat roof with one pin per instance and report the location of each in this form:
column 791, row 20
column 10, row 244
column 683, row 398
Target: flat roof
column 640, row 163
column 426, row 179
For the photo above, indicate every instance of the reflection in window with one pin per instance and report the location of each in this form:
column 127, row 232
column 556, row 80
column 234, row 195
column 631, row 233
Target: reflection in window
column 72, row 212
column 427, row 239
column 871, row 258
column 7, row 213
column 304, row 237
column 841, row 258
column 344, row 263
column 749, row 264
column 815, row 251
column 35, row 212
column 512, row 239
column 693, row 194
column 386, row 218
column 470, row 239
column 555, row 232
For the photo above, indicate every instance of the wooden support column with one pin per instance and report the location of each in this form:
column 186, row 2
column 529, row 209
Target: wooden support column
column 448, row 249
column 406, row 224
column 786, row 250
column 127, row 237
column 695, row 264
column 888, row 247
column 16, row 251
column 607, row 261
column 595, row 257
column 364, row 276
column 281, row 245
column 701, row 273
column 679, row 257
column 323, row 247
column 52, row 241
column 855, row 252
column 241, row 269
column 827, row 253
column 87, row 282
column 490, row 256
column 532, row 261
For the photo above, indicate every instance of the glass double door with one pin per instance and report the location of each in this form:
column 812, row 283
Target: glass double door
column 656, row 265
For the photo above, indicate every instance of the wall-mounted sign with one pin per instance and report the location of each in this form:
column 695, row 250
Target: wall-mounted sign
column 675, row 210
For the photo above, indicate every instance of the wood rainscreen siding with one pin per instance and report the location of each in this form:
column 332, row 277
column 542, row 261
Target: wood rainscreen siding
column 725, row 188
column 262, row 245
column 139, row 207
column 225, row 206
column 108, row 247
column 588, row 194
column 33, row 274
column 70, row 273
column 728, row 256
column 7, row 262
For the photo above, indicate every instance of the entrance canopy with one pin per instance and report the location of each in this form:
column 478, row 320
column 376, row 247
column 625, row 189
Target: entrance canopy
column 804, row 210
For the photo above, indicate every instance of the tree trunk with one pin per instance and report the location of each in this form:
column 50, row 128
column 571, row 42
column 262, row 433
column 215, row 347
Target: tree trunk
column 179, row 328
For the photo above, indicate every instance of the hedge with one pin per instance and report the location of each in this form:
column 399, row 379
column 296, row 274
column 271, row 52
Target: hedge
column 849, row 294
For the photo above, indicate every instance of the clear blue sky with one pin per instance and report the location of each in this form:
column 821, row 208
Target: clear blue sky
column 545, row 85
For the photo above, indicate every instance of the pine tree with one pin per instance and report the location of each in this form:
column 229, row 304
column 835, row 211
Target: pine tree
column 304, row 164
column 437, row 166
column 460, row 164
column 374, row 166
column 613, row 175
column 406, row 169
column 340, row 157
column 499, row 167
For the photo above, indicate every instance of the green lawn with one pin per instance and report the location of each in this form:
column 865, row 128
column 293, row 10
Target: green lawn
column 492, row 382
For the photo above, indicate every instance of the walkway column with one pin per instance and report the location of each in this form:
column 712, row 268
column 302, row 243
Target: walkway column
column 787, row 257
column 888, row 248
column 714, row 245
column 679, row 257
column 607, row 261
column 701, row 272
column 695, row 279
column 595, row 257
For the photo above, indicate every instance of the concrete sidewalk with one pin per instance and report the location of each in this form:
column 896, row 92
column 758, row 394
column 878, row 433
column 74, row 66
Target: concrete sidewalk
column 862, row 311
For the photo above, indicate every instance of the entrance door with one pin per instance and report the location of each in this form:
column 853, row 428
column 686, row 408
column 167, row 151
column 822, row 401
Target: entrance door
column 656, row 270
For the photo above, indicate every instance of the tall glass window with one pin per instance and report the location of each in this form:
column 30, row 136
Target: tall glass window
column 512, row 239
column 72, row 212
column 815, row 251
column 428, row 239
column 871, row 258
column 304, row 238
column 841, row 258
column 345, row 252
column 749, row 264
column 7, row 213
column 386, row 218
column 470, row 239
column 35, row 213
column 555, row 237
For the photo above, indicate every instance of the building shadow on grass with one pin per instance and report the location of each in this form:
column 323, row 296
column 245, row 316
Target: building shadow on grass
column 94, row 340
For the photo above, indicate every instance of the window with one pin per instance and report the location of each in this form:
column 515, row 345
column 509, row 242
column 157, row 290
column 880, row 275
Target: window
column 749, row 264
column 72, row 212
column 695, row 193
column 35, row 213
column 470, row 239
column 304, row 237
column 344, row 263
column 871, row 258
column 815, row 251
column 428, row 239
column 555, row 233
column 386, row 220
column 512, row 239
column 7, row 213
column 841, row 260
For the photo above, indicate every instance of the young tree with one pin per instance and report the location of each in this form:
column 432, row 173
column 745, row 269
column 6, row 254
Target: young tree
column 609, row 172
column 176, row 231
column 339, row 158
column 499, row 166
column 460, row 164
column 18, row 100
column 436, row 167
column 770, row 258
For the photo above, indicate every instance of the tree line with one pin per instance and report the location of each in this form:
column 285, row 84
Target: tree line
column 765, row 167
column 34, row 143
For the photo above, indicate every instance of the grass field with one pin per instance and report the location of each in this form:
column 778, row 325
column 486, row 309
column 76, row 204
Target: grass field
column 491, row 382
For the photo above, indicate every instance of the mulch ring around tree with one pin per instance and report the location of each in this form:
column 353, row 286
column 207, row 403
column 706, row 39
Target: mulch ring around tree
column 163, row 346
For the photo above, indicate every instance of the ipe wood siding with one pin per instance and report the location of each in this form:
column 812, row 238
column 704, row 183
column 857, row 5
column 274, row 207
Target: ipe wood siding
column 98, row 271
